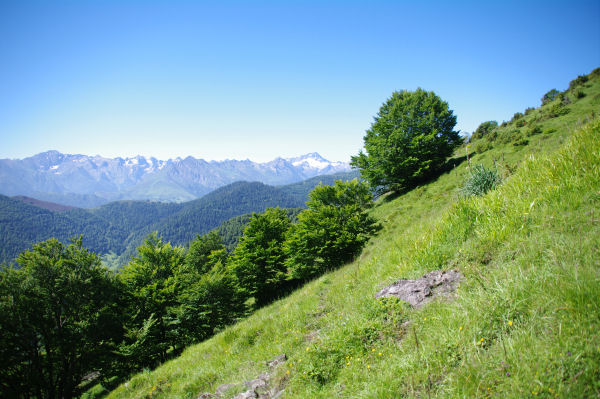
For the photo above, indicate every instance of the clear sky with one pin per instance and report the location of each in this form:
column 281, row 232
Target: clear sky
column 263, row 79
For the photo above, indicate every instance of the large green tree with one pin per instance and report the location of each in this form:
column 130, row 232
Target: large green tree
column 409, row 141
column 259, row 259
column 207, row 303
column 332, row 231
column 59, row 320
column 152, row 285
column 205, row 251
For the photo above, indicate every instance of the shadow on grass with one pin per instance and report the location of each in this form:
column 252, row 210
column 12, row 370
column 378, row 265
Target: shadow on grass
column 449, row 166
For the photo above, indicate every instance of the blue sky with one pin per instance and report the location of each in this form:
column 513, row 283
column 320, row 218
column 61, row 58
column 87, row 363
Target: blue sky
column 258, row 80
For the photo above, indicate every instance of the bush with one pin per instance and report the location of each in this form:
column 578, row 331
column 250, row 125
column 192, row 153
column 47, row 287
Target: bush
column 564, row 99
column 533, row 130
column 520, row 123
column 508, row 136
column 529, row 110
column 557, row 110
column 550, row 96
column 484, row 129
column 258, row 260
column 332, row 231
column 579, row 93
column 521, row 142
column 580, row 80
column 480, row 181
column 517, row 116
column 482, row 146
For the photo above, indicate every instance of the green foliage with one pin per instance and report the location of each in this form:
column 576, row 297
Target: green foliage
column 480, row 181
column 556, row 110
column 207, row 302
column 409, row 142
column 550, row 96
column 332, row 231
column 151, row 281
column 509, row 136
column 484, row 129
column 564, row 98
column 205, row 252
column 120, row 227
column 232, row 230
column 579, row 93
column 533, row 130
column 258, row 260
column 483, row 146
column 59, row 318
column 579, row 81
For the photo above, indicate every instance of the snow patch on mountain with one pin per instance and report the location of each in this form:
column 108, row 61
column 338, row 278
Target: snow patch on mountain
column 51, row 174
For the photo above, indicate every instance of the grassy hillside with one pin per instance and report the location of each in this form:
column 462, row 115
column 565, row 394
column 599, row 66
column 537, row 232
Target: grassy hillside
column 523, row 323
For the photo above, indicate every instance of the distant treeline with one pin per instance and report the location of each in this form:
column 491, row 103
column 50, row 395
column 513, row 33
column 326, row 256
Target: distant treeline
column 118, row 228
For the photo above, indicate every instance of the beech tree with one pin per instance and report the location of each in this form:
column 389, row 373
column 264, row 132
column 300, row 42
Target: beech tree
column 152, row 285
column 409, row 141
column 259, row 259
column 332, row 231
column 59, row 320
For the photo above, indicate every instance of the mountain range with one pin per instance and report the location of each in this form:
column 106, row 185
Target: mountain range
column 116, row 229
column 90, row 181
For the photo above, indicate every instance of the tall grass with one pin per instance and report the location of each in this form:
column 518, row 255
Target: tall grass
column 523, row 323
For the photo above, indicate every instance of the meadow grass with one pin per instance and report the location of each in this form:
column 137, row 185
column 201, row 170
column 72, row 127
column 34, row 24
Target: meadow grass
column 524, row 321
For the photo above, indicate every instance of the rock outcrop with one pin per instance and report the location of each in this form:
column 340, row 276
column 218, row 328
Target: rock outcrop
column 421, row 291
column 259, row 388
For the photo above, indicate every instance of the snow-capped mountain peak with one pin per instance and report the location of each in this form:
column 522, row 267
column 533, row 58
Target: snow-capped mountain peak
column 314, row 160
column 53, row 176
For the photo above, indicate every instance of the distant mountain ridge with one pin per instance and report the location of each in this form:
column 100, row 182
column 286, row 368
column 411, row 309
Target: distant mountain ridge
column 119, row 227
column 89, row 181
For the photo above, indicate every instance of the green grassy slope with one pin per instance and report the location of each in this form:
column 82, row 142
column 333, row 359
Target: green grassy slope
column 523, row 323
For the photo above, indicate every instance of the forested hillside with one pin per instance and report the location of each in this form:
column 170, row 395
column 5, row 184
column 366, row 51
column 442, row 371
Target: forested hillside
column 88, row 181
column 118, row 228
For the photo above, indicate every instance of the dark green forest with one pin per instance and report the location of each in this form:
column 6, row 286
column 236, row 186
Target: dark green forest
column 118, row 228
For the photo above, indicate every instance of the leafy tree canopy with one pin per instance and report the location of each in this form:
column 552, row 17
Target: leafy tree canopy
column 408, row 142
column 205, row 251
column 60, row 320
column 332, row 230
column 258, row 260
column 152, row 283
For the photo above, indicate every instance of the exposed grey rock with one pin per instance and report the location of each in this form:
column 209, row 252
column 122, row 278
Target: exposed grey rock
column 278, row 394
column 258, row 387
column 277, row 361
column 246, row 395
column 221, row 389
column 423, row 290
column 256, row 383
